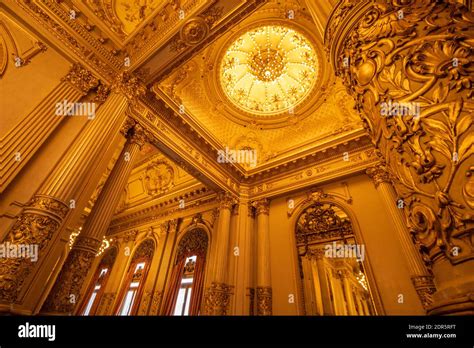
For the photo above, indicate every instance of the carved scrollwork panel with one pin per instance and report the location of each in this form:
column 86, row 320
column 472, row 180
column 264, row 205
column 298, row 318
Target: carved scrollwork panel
column 415, row 59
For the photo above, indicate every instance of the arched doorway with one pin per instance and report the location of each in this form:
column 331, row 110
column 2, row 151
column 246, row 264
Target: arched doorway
column 331, row 261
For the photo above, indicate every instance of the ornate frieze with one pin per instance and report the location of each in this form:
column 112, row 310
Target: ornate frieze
column 54, row 18
column 196, row 29
column 217, row 299
column 264, row 300
column 128, row 236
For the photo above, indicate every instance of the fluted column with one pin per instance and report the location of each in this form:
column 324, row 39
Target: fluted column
column 409, row 66
column 42, row 219
column 318, row 255
column 21, row 142
column 217, row 297
column 71, row 278
column 348, row 292
column 421, row 278
column 339, row 303
column 264, row 281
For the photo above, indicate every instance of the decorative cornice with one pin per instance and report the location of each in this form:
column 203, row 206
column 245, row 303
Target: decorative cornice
column 87, row 45
column 163, row 210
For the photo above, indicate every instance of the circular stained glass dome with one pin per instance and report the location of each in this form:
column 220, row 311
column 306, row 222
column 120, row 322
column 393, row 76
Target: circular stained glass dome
column 269, row 70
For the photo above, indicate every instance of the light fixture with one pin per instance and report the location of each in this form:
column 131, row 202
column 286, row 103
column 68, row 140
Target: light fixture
column 105, row 244
column 269, row 70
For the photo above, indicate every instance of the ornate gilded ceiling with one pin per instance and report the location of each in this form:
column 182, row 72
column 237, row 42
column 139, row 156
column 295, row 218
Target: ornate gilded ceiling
column 268, row 70
column 124, row 16
column 181, row 50
column 263, row 85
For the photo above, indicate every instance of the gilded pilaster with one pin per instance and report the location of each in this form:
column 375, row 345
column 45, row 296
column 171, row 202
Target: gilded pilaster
column 318, row 256
column 409, row 66
column 264, row 281
column 218, row 294
column 383, row 185
column 348, row 293
column 241, row 259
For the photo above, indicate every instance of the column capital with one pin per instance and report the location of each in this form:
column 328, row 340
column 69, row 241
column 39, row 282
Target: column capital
column 81, row 78
column 134, row 132
column 379, row 174
column 262, row 206
column 226, row 200
column 251, row 211
column 138, row 136
column 129, row 86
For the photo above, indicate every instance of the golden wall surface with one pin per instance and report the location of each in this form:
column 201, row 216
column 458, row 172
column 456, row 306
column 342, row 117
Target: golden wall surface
column 146, row 167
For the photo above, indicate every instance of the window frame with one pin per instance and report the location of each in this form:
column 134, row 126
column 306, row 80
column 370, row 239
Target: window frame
column 128, row 281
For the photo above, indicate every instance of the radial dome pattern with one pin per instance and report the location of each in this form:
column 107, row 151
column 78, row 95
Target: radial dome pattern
column 269, row 70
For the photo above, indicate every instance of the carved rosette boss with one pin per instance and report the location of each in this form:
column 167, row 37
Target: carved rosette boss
column 409, row 64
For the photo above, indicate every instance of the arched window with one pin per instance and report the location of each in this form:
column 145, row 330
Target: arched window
column 331, row 263
column 99, row 280
column 135, row 280
column 187, row 279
